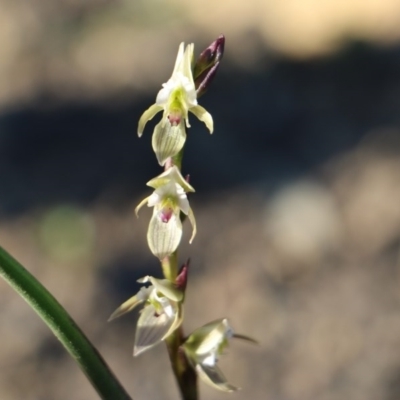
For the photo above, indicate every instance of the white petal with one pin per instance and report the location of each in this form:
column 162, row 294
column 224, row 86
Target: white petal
column 166, row 190
column 153, row 199
column 145, row 279
column 174, row 81
column 179, row 58
column 167, row 307
column 163, row 238
column 210, row 336
column 171, row 174
column 186, row 68
column 204, row 116
column 169, row 189
column 187, row 81
column 193, row 222
column 210, row 359
column 164, row 93
column 141, row 204
column 215, row 378
column 182, row 199
column 151, row 329
column 167, row 288
column 168, row 140
column 130, row 304
column 190, row 92
column 147, row 116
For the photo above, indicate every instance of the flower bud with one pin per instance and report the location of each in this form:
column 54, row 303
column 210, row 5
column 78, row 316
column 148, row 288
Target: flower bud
column 207, row 65
column 181, row 279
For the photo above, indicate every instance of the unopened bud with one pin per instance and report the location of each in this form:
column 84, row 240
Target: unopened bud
column 181, row 279
column 207, row 65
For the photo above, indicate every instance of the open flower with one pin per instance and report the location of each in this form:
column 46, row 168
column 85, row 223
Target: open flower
column 168, row 199
column 203, row 348
column 160, row 316
column 177, row 97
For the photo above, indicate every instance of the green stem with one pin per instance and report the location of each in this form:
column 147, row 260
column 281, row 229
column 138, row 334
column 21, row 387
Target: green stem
column 63, row 327
column 170, row 266
column 185, row 375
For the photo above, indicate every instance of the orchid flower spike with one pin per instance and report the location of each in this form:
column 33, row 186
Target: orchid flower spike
column 161, row 315
column 168, row 199
column 176, row 98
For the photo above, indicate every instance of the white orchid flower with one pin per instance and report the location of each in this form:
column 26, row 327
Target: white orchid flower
column 203, row 349
column 161, row 315
column 177, row 97
column 168, row 199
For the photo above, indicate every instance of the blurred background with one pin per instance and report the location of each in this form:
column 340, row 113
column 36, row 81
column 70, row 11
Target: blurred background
column 297, row 202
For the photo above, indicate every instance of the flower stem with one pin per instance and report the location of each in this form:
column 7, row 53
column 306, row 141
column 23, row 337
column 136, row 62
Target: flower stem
column 169, row 266
column 63, row 327
column 185, row 375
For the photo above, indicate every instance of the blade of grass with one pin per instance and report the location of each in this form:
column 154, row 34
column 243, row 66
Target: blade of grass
column 63, row 327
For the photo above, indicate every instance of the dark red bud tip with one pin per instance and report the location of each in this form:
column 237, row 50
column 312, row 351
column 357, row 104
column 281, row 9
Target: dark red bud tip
column 181, row 279
column 220, row 46
column 207, row 65
column 210, row 56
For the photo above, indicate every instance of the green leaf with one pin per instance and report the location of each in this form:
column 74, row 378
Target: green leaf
column 63, row 327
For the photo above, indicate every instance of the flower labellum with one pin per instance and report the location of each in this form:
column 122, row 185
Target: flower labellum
column 203, row 349
column 161, row 315
column 177, row 97
column 169, row 200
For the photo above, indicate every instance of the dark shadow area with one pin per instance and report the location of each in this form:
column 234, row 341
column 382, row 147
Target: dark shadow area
column 120, row 279
column 270, row 126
